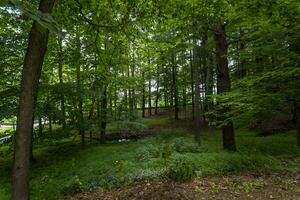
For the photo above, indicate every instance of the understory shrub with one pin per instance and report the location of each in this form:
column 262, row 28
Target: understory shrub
column 122, row 127
column 72, row 188
column 148, row 174
column 165, row 135
column 249, row 162
column 182, row 145
column 147, row 152
column 181, row 168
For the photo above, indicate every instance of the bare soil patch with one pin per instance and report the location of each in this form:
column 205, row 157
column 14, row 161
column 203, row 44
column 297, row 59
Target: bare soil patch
column 243, row 187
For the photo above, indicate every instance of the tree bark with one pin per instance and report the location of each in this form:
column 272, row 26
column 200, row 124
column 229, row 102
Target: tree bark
column 61, row 83
column 103, row 114
column 33, row 62
column 196, row 72
column 130, row 99
column 192, row 84
column 209, row 85
column 157, row 91
column 133, row 99
column 143, row 95
column 223, row 81
column 50, row 124
column 174, row 84
column 149, row 98
column 242, row 72
column 91, row 116
column 40, row 127
column 79, row 93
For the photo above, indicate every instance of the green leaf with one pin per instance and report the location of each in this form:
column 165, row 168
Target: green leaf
column 43, row 19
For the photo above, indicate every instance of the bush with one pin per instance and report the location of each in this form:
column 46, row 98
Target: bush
column 126, row 126
column 244, row 162
column 181, row 169
column 163, row 151
column 110, row 181
column 165, row 135
column 142, row 175
column 182, row 145
column 147, row 152
column 93, row 184
column 72, row 188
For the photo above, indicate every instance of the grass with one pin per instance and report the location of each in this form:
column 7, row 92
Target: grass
column 65, row 167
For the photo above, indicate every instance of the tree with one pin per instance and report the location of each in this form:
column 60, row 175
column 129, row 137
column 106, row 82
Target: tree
column 33, row 62
column 196, row 78
column 223, row 81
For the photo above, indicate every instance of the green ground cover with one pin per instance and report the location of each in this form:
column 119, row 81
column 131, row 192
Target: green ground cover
column 64, row 167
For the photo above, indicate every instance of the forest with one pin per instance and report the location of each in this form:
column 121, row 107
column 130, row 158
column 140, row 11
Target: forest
column 149, row 99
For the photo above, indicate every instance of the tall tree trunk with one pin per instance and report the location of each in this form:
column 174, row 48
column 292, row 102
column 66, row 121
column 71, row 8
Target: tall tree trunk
column 33, row 62
column 157, row 91
column 223, row 81
column 174, row 84
column 171, row 99
column 133, row 100
column 196, row 72
column 192, row 84
column 242, row 72
column 143, row 95
column 130, row 102
column 40, row 127
column 149, row 98
column 184, row 95
column 209, row 82
column 205, row 64
column 126, row 102
column 91, row 116
column 115, row 103
column 103, row 115
column 61, row 82
column 50, row 124
column 79, row 94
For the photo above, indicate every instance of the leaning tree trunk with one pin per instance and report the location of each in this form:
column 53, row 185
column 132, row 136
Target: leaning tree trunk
column 223, row 81
column 33, row 62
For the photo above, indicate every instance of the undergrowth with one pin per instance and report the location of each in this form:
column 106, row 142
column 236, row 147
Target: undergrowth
column 64, row 168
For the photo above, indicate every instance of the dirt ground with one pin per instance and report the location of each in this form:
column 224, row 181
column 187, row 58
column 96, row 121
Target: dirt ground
column 243, row 187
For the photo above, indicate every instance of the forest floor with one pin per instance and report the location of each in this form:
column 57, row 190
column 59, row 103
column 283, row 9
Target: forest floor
column 245, row 186
column 263, row 167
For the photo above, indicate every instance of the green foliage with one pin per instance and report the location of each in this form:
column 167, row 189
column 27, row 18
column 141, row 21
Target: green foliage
column 147, row 152
column 165, row 135
column 181, row 168
column 45, row 20
column 115, row 52
column 72, row 188
column 64, row 167
column 183, row 145
column 146, row 175
column 121, row 127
